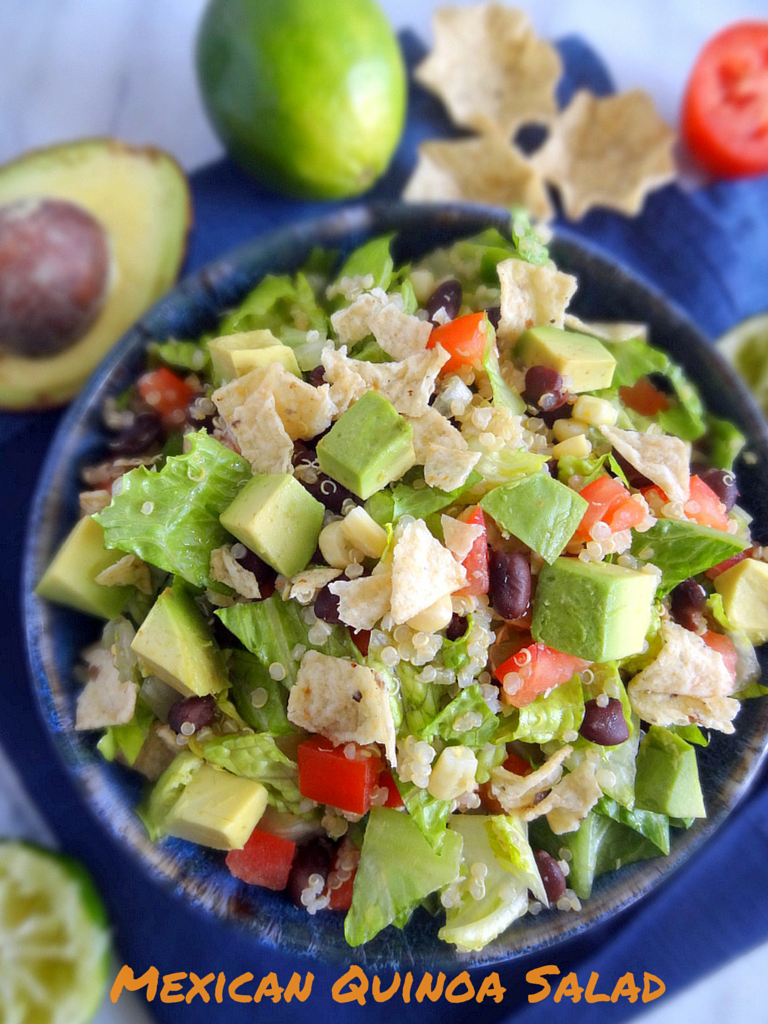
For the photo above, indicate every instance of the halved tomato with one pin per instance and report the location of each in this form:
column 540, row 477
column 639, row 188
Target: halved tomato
column 725, row 108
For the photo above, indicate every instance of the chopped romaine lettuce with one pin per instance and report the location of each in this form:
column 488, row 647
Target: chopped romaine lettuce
column 278, row 304
column 725, row 441
column 551, row 715
column 372, row 258
column 166, row 791
column 260, row 700
column 682, row 549
column 171, row 518
column 192, row 356
column 388, row 505
column 397, row 869
column 504, row 397
column 655, row 827
column 273, row 629
column 449, row 724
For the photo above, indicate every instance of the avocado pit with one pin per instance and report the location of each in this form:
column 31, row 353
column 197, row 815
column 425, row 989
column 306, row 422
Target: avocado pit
column 54, row 275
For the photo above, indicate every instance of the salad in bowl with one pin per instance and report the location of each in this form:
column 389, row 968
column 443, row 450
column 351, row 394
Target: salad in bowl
column 420, row 591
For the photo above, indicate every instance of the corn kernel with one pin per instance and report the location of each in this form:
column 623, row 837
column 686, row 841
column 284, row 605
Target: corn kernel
column 597, row 412
column 335, row 546
column 364, row 533
column 563, row 429
column 436, row 617
column 578, row 446
column 453, row 773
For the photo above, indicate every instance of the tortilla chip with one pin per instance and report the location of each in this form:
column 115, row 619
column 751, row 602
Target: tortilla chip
column 260, row 434
column 663, row 458
column 449, row 468
column 129, row 570
column 487, row 169
column 398, row 333
column 608, row 152
column 364, row 601
column 531, row 296
column 423, row 571
column 490, row 69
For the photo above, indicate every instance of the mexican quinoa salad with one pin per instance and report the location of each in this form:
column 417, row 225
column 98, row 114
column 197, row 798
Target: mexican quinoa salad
column 419, row 591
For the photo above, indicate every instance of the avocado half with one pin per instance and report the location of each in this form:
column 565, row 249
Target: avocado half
column 141, row 198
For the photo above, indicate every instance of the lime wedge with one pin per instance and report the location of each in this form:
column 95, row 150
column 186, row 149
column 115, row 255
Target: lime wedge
column 54, row 940
column 745, row 347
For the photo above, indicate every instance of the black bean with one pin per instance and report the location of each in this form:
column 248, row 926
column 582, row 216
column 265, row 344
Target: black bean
column 494, row 315
column 552, row 875
column 145, row 431
column 509, row 583
column 723, row 483
column 662, row 383
column 197, row 711
column 561, row 412
column 634, row 477
column 541, row 380
column 457, row 627
column 264, row 573
column 551, row 467
column 317, row 376
column 327, row 606
column 313, row 858
column 687, row 602
column 604, row 725
column 446, row 296
column 327, row 491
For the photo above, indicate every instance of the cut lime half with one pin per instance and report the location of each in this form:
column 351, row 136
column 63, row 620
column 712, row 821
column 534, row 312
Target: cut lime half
column 54, row 940
column 745, row 347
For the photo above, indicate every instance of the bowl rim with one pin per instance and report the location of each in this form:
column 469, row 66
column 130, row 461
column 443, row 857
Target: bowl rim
column 347, row 225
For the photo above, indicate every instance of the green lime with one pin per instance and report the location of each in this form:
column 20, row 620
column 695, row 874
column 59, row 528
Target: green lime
column 745, row 347
column 54, row 940
column 307, row 95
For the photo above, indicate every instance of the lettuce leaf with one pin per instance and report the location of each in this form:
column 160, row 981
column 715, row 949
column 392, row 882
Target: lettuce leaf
column 397, row 870
column 475, row 922
column 421, row 701
column 506, row 467
column 246, row 674
column 388, row 505
column 166, row 791
column 552, row 714
column 443, row 725
column 682, row 549
column 284, row 305
column 256, row 756
column 654, row 827
column 128, row 739
column 171, row 518
column 429, row 814
column 508, row 835
column 273, row 628
column 724, row 442
column 504, row 397
column 182, row 355
column 373, row 258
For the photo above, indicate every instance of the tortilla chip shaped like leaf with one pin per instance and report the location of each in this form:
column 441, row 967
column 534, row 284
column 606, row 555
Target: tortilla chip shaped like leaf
column 486, row 169
column 490, row 69
column 609, row 152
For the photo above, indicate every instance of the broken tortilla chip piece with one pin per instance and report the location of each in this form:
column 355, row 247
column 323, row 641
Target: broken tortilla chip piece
column 490, row 69
column 531, row 295
column 486, row 169
column 608, row 152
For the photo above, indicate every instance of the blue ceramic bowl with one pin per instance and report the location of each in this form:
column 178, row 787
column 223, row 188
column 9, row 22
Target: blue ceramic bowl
column 55, row 636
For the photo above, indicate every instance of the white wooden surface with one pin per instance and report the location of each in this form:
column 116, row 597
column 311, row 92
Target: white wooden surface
column 74, row 68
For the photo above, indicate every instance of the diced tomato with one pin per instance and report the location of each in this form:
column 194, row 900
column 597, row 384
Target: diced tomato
column 264, row 860
column 166, row 393
column 516, row 764
column 463, row 339
column 387, row 781
column 328, row 776
column 361, row 638
column 724, row 646
column 476, row 562
column 721, row 567
column 705, row 507
column 533, row 670
column 725, row 108
column 341, row 898
column 605, row 495
column 644, row 398
column 624, row 517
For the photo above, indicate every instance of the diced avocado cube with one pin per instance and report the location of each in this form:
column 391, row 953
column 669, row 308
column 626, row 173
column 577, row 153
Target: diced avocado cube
column 234, row 355
column 744, row 590
column 277, row 518
column 369, row 446
column 175, row 644
column 584, row 359
column 539, row 511
column 592, row 610
column 667, row 779
column 217, row 809
column 70, row 579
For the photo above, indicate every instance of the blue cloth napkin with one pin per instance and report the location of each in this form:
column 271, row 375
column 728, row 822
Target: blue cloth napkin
column 707, row 251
